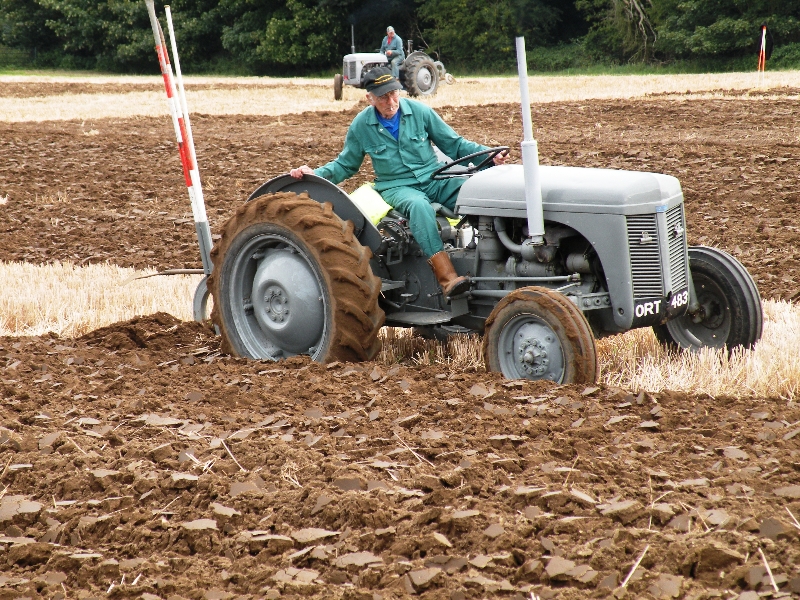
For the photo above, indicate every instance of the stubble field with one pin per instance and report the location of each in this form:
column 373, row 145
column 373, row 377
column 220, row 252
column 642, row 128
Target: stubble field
column 138, row 461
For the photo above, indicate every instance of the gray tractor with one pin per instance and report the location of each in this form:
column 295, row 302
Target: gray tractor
column 556, row 257
column 420, row 74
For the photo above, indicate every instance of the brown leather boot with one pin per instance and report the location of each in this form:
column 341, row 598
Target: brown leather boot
column 452, row 284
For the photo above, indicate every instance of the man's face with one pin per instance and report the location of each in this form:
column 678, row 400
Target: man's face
column 387, row 105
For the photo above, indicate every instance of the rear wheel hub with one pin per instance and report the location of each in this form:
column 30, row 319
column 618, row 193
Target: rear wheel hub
column 424, row 79
column 286, row 300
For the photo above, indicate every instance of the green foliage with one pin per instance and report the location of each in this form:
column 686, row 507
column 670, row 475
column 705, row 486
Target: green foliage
column 605, row 39
column 785, row 57
column 303, row 33
column 111, row 35
column 480, row 33
column 13, row 57
column 244, row 24
column 666, row 30
column 563, row 57
column 23, row 24
column 620, row 30
column 722, row 27
column 302, row 36
column 289, row 36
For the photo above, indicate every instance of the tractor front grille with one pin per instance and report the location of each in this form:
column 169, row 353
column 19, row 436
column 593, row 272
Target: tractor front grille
column 351, row 70
column 676, row 236
column 643, row 242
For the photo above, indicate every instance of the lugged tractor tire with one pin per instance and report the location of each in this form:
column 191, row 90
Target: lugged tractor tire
column 538, row 333
column 420, row 75
column 731, row 314
column 290, row 278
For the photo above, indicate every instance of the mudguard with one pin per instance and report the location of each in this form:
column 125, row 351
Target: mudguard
column 322, row 190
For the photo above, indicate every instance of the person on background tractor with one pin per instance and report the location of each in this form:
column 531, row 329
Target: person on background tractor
column 392, row 48
column 397, row 134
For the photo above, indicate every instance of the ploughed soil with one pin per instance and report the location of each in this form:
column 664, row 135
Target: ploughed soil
column 112, row 190
column 138, row 461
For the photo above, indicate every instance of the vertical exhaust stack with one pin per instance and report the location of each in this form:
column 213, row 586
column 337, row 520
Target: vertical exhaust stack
column 530, row 162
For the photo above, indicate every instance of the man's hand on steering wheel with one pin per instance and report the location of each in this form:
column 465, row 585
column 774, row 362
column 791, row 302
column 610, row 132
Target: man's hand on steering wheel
column 496, row 155
column 500, row 159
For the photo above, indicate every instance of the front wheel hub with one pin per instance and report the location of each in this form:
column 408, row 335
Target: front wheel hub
column 531, row 349
column 286, row 299
column 533, row 357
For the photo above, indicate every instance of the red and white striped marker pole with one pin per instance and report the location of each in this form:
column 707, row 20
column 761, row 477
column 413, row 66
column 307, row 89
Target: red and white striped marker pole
column 183, row 133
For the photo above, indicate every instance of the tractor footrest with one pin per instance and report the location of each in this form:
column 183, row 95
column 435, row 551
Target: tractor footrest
column 388, row 284
column 404, row 319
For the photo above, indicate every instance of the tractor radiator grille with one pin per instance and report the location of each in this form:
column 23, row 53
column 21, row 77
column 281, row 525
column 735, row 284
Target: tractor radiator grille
column 351, row 74
column 645, row 256
column 676, row 233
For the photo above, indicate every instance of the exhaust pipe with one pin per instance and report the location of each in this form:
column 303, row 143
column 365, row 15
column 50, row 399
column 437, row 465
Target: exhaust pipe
column 530, row 162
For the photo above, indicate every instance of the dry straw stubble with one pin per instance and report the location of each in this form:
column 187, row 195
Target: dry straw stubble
column 278, row 96
column 71, row 300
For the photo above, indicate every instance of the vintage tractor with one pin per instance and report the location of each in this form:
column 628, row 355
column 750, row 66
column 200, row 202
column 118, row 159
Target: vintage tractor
column 556, row 256
column 419, row 73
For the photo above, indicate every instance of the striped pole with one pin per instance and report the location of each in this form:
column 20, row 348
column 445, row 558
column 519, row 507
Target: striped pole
column 180, row 121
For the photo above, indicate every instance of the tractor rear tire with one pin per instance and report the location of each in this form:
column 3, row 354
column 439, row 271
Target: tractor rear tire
column 731, row 315
column 338, row 83
column 536, row 333
column 420, row 76
column 290, row 278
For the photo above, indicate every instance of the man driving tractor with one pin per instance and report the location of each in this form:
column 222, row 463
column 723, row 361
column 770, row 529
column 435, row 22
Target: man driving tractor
column 392, row 48
column 397, row 133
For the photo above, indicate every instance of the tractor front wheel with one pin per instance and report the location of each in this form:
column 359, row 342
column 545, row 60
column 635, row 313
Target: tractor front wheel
column 536, row 333
column 730, row 313
column 291, row 278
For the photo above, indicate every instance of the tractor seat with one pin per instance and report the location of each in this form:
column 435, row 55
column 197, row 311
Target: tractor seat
column 375, row 208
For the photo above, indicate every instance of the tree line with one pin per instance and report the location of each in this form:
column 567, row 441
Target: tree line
column 311, row 36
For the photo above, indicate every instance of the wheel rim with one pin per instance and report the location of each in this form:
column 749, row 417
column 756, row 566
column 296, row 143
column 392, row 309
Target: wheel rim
column 424, row 79
column 530, row 349
column 712, row 327
column 276, row 299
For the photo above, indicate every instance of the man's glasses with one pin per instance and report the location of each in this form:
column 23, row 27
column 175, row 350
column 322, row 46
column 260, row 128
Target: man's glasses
column 393, row 95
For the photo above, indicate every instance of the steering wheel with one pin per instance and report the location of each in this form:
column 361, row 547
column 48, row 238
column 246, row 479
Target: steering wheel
column 444, row 171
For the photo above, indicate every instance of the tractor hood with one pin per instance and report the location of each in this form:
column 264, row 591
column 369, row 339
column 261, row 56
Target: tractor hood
column 500, row 191
column 366, row 57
